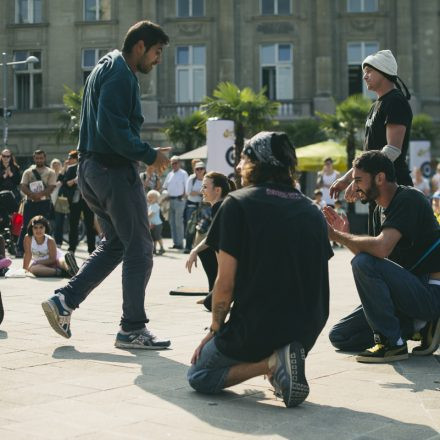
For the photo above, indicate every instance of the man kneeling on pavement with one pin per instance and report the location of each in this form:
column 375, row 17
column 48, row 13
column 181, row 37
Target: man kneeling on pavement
column 273, row 253
column 397, row 272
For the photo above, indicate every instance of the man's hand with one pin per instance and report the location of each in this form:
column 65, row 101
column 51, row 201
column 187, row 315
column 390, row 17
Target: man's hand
column 351, row 195
column 161, row 163
column 335, row 222
column 337, row 186
column 192, row 259
column 197, row 351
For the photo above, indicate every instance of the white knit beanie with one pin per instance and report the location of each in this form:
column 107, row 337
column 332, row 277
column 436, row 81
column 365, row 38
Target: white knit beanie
column 383, row 61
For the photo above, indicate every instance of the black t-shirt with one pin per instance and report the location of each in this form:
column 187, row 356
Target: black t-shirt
column 411, row 214
column 391, row 108
column 281, row 292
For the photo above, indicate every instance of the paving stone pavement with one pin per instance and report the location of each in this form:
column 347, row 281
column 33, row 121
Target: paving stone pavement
column 84, row 388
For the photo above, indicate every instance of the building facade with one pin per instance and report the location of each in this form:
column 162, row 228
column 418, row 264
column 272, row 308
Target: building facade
column 307, row 53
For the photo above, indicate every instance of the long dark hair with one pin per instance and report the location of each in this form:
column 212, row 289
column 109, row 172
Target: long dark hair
column 219, row 180
column 38, row 220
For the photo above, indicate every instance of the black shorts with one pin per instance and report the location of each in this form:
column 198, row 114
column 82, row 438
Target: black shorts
column 156, row 232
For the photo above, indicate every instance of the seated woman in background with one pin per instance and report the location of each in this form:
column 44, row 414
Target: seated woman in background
column 41, row 256
column 215, row 188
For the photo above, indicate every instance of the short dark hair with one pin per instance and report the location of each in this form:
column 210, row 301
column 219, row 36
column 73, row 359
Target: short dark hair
column 219, row 180
column 39, row 152
column 257, row 172
column 38, row 220
column 375, row 162
column 150, row 33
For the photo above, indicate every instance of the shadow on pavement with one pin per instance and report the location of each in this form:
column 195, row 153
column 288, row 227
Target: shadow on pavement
column 3, row 334
column 250, row 411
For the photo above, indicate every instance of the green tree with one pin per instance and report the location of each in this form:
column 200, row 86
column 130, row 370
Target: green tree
column 423, row 128
column 70, row 116
column 250, row 111
column 304, row 131
column 348, row 121
column 188, row 132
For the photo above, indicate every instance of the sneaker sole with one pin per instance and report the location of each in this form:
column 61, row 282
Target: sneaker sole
column 299, row 388
column 52, row 316
column 432, row 346
column 130, row 346
column 71, row 263
column 373, row 360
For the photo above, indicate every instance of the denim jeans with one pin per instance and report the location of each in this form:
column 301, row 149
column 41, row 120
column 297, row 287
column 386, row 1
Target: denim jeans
column 175, row 219
column 189, row 238
column 117, row 197
column 208, row 374
column 392, row 297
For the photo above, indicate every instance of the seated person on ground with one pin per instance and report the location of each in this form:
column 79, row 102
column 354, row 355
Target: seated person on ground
column 279, row 292
column 4, row 262
column 42, row 258
column 397, row 271
column 215, row 188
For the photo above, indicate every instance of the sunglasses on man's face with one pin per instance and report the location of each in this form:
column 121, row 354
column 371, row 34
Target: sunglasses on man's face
column 5, row 156
column 200, row 169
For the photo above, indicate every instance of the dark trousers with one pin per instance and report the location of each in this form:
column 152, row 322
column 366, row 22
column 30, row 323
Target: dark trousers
column 190, row 207
column 117, row 197
column 59, row 223
column 88, row 217
column 30, row 210
column 210, row 265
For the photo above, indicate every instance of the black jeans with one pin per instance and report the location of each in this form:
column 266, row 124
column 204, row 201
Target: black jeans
column 88, row 217
column 30, row 210
column 117, row 197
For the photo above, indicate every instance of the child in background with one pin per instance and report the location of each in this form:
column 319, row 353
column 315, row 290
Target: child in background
column 318, row 201
column 339, row 209
column 42, row 258
column 155, row 221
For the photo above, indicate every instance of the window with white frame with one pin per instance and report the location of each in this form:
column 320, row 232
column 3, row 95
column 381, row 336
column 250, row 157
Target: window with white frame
column 28, row 11
column 96, row 10
column 28, row 79
column 356, row 53
column 89, row 59
column 275, row 7
column 190, row 73
column 276, row 63
column 362, row 6
column 190, row 8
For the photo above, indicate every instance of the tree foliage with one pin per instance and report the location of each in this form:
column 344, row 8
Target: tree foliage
column 347, row 123
column 70, row 116
column 304, row 132
column 251, row 111
column 188, row 132
column 423, row 128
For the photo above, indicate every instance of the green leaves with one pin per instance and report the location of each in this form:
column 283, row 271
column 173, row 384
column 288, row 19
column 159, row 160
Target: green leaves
column 70, row 116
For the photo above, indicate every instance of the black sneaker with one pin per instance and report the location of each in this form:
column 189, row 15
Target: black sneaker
column 72, row 266
column 430, row 337
column 140, row 339
column 289, row 379
column 382, row 353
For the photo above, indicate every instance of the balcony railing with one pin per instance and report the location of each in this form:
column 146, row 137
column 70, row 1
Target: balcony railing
column 289, row 109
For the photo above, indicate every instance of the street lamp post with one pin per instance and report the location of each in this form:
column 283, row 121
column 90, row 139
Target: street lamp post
column 5, row 65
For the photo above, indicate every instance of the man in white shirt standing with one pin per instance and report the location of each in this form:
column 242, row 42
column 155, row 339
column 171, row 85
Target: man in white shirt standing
column 175, row 184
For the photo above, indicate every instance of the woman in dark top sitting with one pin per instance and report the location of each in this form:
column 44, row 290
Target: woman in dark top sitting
column 10, row 174
column 215, row 188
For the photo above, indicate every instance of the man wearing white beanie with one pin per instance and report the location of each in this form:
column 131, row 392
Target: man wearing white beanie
column 387, row 129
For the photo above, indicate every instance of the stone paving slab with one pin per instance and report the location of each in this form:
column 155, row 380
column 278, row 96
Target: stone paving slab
column 85, row 388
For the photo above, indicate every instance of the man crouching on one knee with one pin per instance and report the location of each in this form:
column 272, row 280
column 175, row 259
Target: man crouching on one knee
column 397, row 272
column 273, row 253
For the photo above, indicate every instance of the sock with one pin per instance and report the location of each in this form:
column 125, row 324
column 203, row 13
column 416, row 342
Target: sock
column 272, row 361
column 63, row 302
column 419, row 324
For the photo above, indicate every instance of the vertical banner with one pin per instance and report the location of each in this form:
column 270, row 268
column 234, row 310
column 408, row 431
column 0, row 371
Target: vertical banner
column 220, row 138
column 420, row 156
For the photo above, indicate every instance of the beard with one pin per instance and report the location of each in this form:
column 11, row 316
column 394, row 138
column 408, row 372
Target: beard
column 370, row 194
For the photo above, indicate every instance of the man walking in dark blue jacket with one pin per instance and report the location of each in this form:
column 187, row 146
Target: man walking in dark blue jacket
column 109, row 148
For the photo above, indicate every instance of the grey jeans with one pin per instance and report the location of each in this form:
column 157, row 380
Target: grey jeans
column 116, row 196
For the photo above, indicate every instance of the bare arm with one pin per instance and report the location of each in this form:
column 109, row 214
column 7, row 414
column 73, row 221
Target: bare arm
column 27, row 257
column 395, row 135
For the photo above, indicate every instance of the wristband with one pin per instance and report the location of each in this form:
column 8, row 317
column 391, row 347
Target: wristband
column 391, row 152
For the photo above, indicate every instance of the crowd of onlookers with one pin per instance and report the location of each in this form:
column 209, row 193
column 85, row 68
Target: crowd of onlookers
column 174, row 201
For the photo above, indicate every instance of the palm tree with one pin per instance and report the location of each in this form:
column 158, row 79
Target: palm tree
column 188, row 132
column 347, row 122
column 250, row 111
column 70, row 116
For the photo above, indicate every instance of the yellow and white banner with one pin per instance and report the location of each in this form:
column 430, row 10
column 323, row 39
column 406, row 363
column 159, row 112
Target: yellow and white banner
column 220, row 138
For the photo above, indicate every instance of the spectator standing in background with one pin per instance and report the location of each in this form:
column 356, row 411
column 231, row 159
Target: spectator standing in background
column 10, row 174
column 175, row 184
column 420, row 182
column 435, row 180
column 326, row 177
